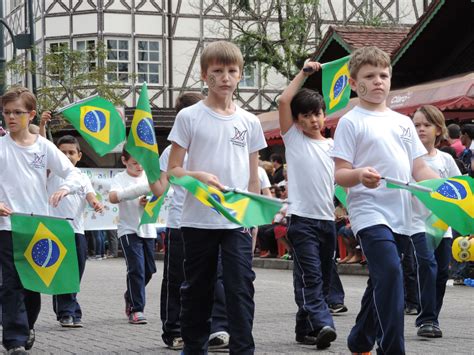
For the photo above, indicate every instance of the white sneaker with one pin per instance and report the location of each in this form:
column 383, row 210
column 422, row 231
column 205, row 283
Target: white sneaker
column 218, row 340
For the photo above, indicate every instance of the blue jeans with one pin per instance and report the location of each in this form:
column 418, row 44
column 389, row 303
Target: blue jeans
column 139, row 254
column 443, row 256
column 67, row 305
column 201, row 251
column 99, row 237
column 380, row 318
column 314, row 244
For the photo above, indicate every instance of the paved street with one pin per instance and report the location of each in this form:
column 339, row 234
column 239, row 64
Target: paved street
column 106, row 329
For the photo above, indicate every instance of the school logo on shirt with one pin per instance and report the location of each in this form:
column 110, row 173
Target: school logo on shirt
column 405, row 134
column 239, row 137
column 38, row 161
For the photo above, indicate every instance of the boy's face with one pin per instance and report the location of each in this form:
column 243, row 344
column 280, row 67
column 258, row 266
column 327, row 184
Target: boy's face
column 372, row 84
column 70, row 150
column 133, row 167
column 16, row 115
column 311, row 123
column 425, row 129
column 222, row 79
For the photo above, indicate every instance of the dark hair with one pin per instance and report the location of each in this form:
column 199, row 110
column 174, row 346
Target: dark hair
column 17, row 93
column 187, row 99
column 276, row 157
column 125, row 154
column 277, row 190
column 454, row 131
column 468, row 129
column 450, row 150
column 68, row 139
column 307, row 101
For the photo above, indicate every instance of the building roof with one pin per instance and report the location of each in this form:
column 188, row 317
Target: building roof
column 353, row 37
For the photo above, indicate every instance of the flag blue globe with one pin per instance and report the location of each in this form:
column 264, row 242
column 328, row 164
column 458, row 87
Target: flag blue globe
column 339, row 86
column 94, row 120
column 452, row 189
column 45, row 253
column 145, row 131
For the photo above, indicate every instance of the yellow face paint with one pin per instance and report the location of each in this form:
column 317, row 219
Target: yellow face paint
column 24, row 120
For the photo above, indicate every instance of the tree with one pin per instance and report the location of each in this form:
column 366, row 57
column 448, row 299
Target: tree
column 281, row 34
column 68, row 75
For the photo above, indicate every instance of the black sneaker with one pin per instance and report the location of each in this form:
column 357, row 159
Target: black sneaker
column 66, row 321
column 31, row 340
column 306, row 339
column 17, row 350
column 174, row 343
column 325, row 336
column 337, row 308
column 429, row 330
column 411, row 311
column 77, row 323
column 218, row 340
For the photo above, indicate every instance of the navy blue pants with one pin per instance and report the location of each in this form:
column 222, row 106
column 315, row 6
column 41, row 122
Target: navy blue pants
column 426, row 270
column 334, row 294
column 314, row 244
column 67, row 305
column 201, row 251
column 173, row 277
column 409, row 278
column 20, row 307
column 380, row 318
column 139, row 256
column 443, row 256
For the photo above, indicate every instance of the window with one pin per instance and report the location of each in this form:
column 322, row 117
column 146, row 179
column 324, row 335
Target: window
column 57, row 68
column 58, row 47
column 249, row 77
column 88, row 47
column 148, row 61
column 118, row 60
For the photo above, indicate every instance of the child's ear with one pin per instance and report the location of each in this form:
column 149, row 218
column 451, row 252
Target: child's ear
column 79, row 155
column 353, row 84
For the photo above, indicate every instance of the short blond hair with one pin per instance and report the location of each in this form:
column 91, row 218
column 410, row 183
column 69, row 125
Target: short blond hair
column 436, row 118
column 222, row 52
column 368, row 55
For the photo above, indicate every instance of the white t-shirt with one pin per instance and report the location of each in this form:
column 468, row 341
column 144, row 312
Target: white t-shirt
column 310, row 175
column 73, row 205
column 388, row 142
column 444, row 165
column 219, row 145
column 130, row 212
column 176, row 204
column 23, row 176
column 263, row 177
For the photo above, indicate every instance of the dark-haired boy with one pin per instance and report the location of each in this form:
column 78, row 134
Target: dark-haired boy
column 67, row 308
column 311, row 230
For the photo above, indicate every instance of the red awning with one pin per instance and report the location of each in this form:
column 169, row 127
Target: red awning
column 455, row 93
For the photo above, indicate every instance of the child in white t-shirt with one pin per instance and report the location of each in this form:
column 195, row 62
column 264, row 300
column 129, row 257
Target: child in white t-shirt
column 128, row 190
column 431, row 128
column 67, row 308
column 311, row 229
column 222, row 142
column 371, row 142
column 25, row 159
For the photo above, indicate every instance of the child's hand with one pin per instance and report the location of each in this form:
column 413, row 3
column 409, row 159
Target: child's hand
column 311, row 67
column 45, row 118
column 209, row 179
column 143, row 201
column 57, row 196
column 5, row 210
column 369, row 177
column 97, row 206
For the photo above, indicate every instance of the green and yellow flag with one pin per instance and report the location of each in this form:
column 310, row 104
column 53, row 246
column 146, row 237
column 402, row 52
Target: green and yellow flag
column 98, row 122
column 336, row 89
column 44, row 251
column 243, row 208
column 341, row 195
column 141, row 142
column 450, row 199
column 152, row 208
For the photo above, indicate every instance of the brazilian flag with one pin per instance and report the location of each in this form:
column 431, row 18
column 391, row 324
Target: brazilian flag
column 141, row 142
column 44, row 250
column 152, row 208
column 336, row 89
column 243, row 208
column 98, row 121
column 341, row 195
column 451, row 200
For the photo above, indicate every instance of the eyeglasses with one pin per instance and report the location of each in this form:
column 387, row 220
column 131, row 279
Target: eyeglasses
column 16, row 113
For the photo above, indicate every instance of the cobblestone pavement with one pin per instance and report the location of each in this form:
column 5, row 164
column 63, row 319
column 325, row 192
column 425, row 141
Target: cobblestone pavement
column 106, row 330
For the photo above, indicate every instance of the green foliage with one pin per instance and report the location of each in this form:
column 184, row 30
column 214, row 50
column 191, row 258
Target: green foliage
column 66, row 76
column 280, row 34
